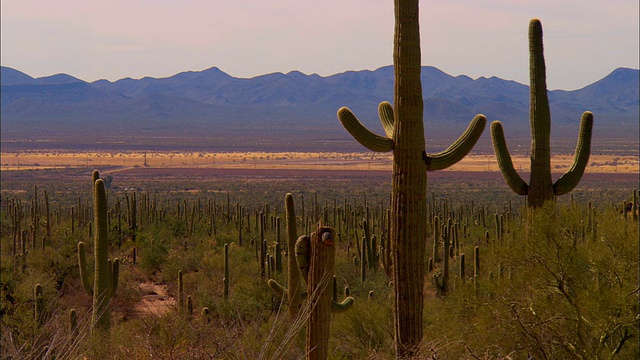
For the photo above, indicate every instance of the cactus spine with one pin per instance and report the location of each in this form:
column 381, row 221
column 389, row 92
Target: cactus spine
column 405, row 136
column 105, row 279
column 540, row 187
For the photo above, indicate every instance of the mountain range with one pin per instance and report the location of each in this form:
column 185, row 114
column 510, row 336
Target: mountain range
column 209, row 103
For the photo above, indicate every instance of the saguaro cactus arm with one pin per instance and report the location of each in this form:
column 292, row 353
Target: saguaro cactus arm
column 363, row 135
column 302, row 252
column 113, row 275
column 338, row 307
column 571, row 178
column 82, row 265
column 460, row 148
column 277, row 288
column 510, row 175
column 385, row 112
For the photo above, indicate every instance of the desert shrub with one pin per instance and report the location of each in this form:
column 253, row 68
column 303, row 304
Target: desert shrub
column 153, row 254
column 561, row 295
column 364, row 330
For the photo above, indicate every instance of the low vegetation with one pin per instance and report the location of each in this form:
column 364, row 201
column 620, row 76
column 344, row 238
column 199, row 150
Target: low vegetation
column 558, row 282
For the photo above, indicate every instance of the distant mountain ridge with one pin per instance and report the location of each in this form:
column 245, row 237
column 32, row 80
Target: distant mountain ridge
column 209, row 101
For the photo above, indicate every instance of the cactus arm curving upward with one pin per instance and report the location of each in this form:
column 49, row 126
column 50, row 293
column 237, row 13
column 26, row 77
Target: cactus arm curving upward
column 277, row 288
column 460, row 148
column 571, row 178
column 302, row 250
column 82, row 264
column 385, row 112
column 339, row 307
column 442, row 160
column 510, row 175
column 363, row 135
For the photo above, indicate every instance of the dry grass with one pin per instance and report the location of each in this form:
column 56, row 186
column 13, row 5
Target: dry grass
column 282, row 160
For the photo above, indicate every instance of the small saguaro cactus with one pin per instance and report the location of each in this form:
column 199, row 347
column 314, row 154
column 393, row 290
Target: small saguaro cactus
column 225, row 279
column 540, row 187
column 38, row 304
column 73, row 323
column 189, row 307
column 105, row 277
column 180, row 292
column 205, row 315
column 442, row 280
column 462, row 265
column 294, row 292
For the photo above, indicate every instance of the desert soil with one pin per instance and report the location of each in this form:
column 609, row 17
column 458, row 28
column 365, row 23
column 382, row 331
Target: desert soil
column 155, row 300
column 123, row 161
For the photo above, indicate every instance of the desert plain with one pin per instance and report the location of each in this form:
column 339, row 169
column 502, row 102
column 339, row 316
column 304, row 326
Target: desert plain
column 124, row 160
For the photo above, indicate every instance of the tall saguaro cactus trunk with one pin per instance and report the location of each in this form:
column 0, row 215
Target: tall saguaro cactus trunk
column 101, row 317
column 540, row 183
column 105, row 276
column 293, row 275
column 541, row 187
column 409, row 181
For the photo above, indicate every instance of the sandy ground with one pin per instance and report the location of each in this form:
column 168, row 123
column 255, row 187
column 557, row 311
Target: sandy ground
column 155, row 300
column 12, row 161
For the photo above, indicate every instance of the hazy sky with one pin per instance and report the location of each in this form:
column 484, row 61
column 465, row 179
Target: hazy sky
column 584, row 39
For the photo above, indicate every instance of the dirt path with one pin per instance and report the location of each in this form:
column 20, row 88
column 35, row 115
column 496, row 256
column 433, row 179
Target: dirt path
column 155, row 300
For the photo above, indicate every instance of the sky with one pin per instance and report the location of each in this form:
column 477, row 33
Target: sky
column 584, row 39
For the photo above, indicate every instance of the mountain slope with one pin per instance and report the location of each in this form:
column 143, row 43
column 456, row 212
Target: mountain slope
column 208, row 102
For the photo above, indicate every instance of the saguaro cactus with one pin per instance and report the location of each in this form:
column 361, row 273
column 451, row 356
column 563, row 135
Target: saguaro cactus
column 404, row 130
column 105, row 277
column 180, row 292
column 38, row 304
column 225, row 279
column 315, row 257
column 540, row 187
column 294, row 293
column 73, row 323
column 322, row 258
